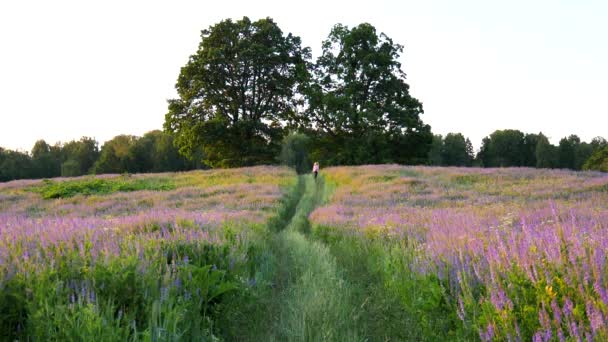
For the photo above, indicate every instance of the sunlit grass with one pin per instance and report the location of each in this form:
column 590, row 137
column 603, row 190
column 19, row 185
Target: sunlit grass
column 114, row 258
column 491, row 253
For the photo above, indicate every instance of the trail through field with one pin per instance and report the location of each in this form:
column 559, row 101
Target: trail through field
column 316, row 295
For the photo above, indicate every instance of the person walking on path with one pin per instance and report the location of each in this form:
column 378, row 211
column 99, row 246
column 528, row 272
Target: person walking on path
column 315, row 169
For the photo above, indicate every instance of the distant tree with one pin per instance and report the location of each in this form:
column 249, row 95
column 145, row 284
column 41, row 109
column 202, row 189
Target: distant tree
column 470, row 151
column 294, row 152
column 435, row 155
column 142, row 154
column 15, row 165
column 359, row 102
column 237, row 92
column 581, row 154
column 165, row 156
column 529, row 149
column 155, row 152
column 598, row 143
column 3, row 174
column 84, row 151
column 598, row 161
column 116, row 156
column 455, row 150
column 567, row 151
column 546, row 153
column 46, row 160
column 71, row 168
column 484, row 156
column 503, row 148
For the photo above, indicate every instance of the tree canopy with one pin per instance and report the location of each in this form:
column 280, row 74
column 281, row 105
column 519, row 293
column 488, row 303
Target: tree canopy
column 359, row 102
column 546, row 154
column 238, row 92
column 453, row 150
column 80, row 156
column 598, row 161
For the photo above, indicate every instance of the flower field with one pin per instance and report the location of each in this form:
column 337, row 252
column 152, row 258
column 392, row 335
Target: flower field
column 387, row 253
column 143, row 257
column 490, row 254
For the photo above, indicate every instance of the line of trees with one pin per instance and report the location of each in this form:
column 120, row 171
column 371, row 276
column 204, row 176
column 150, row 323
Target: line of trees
column 513, row 148
column 154, row 152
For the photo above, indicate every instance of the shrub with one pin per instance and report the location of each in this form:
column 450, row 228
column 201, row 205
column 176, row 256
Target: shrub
column 294, row 152
column 96, row 186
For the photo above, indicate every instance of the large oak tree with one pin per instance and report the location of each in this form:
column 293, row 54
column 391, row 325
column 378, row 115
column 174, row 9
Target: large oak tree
column 359, row 102
column 237, row 93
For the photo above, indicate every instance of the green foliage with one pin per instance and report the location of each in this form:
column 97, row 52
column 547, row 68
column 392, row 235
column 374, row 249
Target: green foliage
column 294, row 152
column 529, row 149
column 453, row 150
column 503, row 148
column 435, row 155
column 420, row 301
column 582, row 153
column 571, row 153
column 15, row 165
column 71, row 168
column 96, row 186
column 150, row 287
column 507, row 148
column 567, row 151
column 164, row 156
column 122, row 299
column 46, row 160
column 154, row 152
column 359, row 102
column 598, row 143
column 235, row 91
column 457, row 151
column 546, row 154
column 598, row 161
column 116, row 156
column 84, row 151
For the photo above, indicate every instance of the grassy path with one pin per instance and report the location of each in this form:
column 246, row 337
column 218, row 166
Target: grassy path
column 315, row 292
column 311, row 299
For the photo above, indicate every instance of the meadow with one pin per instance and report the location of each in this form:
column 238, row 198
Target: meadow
column 490, row 254
column 120, row 257
column 368, row 253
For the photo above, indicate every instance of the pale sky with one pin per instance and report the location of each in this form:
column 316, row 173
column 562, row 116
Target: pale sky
column 102, row 68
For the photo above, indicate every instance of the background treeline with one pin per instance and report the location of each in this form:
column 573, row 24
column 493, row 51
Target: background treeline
column 154, row 152
column 509, row 148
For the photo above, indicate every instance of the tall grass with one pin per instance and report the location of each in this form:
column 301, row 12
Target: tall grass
column 478, row 254
column 316, row 304
column 150, row 270
column 300, row 292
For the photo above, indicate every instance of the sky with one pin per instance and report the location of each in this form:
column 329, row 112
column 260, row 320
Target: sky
column 101, row 68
